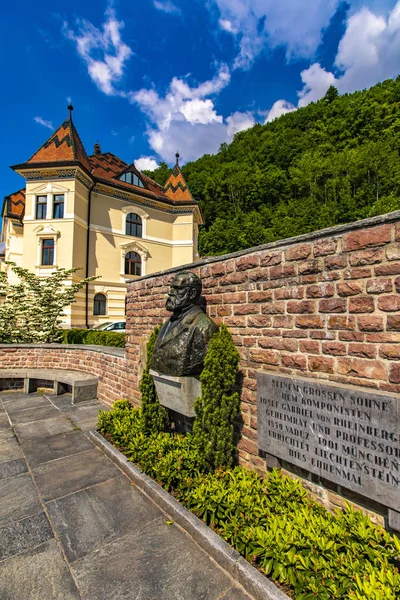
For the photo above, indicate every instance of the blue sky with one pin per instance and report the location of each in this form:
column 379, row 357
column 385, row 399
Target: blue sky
column 149, row 77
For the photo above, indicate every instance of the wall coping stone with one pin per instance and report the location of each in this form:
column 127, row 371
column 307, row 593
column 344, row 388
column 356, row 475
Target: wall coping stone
column 305, row 237
column 118, row 352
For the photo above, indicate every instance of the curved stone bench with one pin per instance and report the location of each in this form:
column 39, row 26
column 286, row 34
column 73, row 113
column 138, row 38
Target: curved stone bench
column 83, row 386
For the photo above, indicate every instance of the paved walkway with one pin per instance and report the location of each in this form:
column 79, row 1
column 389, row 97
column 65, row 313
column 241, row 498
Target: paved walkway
column 73, row 526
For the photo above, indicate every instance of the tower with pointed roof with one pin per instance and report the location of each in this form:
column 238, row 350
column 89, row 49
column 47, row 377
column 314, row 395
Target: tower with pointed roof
column 100, row 214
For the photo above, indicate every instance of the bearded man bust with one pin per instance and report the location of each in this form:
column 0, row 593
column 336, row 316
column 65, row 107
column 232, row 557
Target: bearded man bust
column 182, row 342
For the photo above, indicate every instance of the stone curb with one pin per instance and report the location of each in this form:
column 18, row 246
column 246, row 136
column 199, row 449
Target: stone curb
column 227, row 557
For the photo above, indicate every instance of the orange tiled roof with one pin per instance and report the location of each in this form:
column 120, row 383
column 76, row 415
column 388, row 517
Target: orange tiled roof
column 64, row 145
column 176, row 187
column 109, row 167
column 14, row 205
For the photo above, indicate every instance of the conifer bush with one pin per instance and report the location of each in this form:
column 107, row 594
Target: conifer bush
column 155, row 416
column 218, row 407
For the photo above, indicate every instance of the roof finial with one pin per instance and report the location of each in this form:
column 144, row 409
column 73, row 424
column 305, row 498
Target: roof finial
column 70, row 108
column 177, row 160
column 97, row 148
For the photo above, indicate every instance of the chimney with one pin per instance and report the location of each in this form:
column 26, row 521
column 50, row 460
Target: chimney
column 97, row 148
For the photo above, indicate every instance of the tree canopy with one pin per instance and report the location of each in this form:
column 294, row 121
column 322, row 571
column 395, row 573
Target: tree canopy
column 333, row 161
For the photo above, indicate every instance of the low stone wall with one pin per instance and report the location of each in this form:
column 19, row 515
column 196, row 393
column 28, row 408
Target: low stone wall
column 324, row 305
column 108, row 364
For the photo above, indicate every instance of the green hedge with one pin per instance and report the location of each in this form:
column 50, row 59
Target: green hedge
column 312, row 553
column 96, row 338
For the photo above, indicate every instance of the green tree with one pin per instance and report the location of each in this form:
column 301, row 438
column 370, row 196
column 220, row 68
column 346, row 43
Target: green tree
column 160, row 175
column 333, row 161
column 219, row 405
column 32, row 309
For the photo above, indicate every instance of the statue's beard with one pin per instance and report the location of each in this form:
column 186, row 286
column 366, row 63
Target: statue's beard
column 176, row 305
column 173, row 305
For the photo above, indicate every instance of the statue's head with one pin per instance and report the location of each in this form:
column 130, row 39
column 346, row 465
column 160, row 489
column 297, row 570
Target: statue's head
column 185, row 291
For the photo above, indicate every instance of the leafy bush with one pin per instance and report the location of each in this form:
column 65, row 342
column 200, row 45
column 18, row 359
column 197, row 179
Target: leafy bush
column 155, row 416
column 314, row 554
column 95, row 338
column 218, row 407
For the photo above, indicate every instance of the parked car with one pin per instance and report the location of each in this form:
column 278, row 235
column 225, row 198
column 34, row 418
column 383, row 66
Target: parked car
column 118, row 326
column 102, row 326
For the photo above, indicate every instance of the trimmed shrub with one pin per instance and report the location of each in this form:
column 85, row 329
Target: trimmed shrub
column 218, row 408
column 155, row 416
column 95, row 338
column 312, row 553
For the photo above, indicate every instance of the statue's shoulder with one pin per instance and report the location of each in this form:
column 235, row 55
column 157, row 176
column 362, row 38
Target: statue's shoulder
column 202, row 321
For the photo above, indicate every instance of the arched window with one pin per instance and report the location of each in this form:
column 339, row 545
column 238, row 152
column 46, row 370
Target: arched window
column 133, row 264
column 100, row 305
column 133, row 225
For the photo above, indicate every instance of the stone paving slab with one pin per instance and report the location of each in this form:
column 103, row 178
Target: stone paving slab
column 24, row 402
column 39, row 574
column 73, row 473
column 111, row 542
column 235, row 594
column 18, row 498
column 41, row 450
column 9, row 449
column 98, row 515
column 85, row 418
column 22, row 535
column 43, row 429
column 158, row 561
column 31, row 415
column 13, row 467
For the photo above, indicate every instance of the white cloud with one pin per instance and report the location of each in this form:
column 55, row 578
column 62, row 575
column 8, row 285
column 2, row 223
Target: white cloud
column 146, row 163
column 279, row 108
column 43, row 122
column 239, row 121
column 226, row 25
column 368, row 52
column 291, row 23
column 92, row 43
column 186, row 118
column 166, row 6
column 316, row 83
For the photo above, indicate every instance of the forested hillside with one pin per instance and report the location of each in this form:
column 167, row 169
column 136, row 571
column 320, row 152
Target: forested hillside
column 334, row 161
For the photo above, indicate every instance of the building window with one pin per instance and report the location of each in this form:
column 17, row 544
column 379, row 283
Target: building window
column 133, row 264
column 132, row 178
column 41, row 207
column 58, row 206
column 100, row 305
column 48, row 252
column 133, row 225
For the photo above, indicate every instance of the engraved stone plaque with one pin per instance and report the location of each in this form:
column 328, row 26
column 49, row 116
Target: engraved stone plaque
column 344, row 434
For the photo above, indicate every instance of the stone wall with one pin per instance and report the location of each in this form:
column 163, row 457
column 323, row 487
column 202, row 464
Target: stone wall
column 324, row 305
column 108, row 364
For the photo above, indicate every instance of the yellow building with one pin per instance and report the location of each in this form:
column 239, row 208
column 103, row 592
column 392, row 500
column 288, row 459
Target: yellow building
column 100, row 214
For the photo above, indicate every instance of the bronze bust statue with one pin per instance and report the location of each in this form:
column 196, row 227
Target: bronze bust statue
column 182, row 342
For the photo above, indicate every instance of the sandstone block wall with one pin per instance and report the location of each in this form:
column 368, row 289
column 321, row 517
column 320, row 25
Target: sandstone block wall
column 324, row 305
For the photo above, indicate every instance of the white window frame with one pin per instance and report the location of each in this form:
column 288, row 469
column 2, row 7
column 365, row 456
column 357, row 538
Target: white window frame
column 139, row 249
column 126, row 210
column 46, row 232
